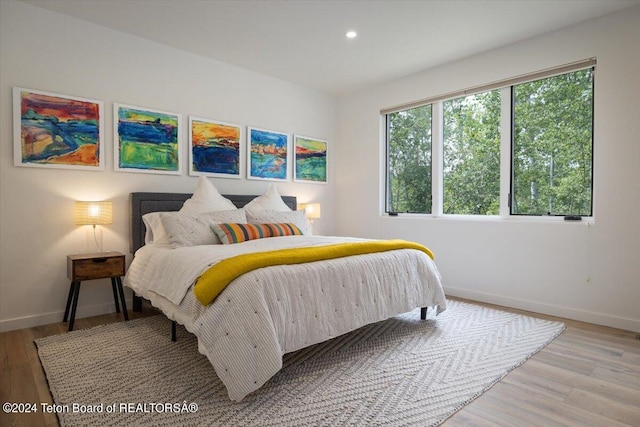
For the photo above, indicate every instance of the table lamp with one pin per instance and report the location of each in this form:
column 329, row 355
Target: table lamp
column 94, row 213
column 311, row 211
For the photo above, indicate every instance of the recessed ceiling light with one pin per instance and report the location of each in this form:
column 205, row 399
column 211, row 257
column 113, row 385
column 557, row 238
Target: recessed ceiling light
column 351, row 34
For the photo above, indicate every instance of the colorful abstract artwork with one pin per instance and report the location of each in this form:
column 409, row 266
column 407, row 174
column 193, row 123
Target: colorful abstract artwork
column 268, row 155
column 310, row 159
column 57, row 131
column 214, row 148
column 146, row 140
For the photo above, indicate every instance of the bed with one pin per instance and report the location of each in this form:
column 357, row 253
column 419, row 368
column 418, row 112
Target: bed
column 268, row 312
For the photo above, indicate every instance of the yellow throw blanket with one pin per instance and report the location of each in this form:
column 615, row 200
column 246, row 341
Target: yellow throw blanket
column 213, row 281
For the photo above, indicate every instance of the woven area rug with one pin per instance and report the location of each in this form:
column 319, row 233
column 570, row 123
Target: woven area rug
column 399, row 372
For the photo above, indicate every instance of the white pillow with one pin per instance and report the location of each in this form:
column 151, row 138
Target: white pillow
column 270, row 200
column 154, row 231
column 193, row 230
column 298, row 218
column 206, row 198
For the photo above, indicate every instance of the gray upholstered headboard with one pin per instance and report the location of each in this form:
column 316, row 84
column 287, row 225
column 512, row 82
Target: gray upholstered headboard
column 143, row 203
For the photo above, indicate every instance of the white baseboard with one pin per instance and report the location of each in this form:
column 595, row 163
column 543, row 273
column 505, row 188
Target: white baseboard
column 553, row 310
column 56, row 316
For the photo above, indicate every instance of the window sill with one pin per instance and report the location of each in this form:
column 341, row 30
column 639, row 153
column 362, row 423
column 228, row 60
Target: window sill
column 489, row 218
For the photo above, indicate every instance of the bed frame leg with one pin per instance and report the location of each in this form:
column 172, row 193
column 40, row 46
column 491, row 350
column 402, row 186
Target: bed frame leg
column 173, row 331
column 137, row 303
column 423, row 313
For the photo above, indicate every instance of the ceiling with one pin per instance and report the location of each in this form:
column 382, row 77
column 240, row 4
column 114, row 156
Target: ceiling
column 304, row 41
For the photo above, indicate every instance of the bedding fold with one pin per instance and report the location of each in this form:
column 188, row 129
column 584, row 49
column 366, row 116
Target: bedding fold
column 216, row 278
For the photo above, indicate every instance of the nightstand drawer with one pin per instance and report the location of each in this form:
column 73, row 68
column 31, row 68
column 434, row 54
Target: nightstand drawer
column 97, row 266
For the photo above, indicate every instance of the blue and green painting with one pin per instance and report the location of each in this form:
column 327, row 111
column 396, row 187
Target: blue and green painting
column 311, row 159
column 215, row 148
column 148, row 140
column 268, row 154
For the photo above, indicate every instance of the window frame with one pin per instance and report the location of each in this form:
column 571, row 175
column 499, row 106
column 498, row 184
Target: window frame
column 507, row 124
column 511, row 195
column 387, row 190
column 444, row 147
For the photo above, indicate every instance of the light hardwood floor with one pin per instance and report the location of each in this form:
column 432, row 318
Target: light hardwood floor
column 588, row 376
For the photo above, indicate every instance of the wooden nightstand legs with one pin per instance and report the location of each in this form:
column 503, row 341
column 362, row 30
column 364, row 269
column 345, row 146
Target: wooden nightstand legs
column 115, row 293
column 69, row 299
column 74, row 291
column 122, row 301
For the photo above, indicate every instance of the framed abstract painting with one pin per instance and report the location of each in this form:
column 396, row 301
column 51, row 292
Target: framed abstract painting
column 146, row 141
column 268, row 153
column 310, row 159
column 57, row 131
column 215, row 148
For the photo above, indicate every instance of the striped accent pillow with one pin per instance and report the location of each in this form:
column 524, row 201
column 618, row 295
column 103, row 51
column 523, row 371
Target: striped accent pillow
column 238, row 233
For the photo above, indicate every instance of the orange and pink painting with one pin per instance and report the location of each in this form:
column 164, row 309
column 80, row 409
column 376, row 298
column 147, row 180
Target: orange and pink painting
column 53, row 130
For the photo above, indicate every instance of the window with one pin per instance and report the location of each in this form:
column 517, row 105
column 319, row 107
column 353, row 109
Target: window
column 409, row 160
column 548, row 153
column 471, row 167
column 552, row 145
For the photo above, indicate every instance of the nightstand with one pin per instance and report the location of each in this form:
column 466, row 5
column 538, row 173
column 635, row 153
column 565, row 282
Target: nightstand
column 90, row 267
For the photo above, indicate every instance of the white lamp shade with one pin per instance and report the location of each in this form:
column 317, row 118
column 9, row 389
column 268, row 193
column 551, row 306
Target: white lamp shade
column 93, row 213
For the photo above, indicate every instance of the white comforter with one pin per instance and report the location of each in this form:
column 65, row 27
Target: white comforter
column 271, row 311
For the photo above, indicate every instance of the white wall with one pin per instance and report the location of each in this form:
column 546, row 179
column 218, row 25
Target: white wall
column 582, row 272
column 43, row 50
